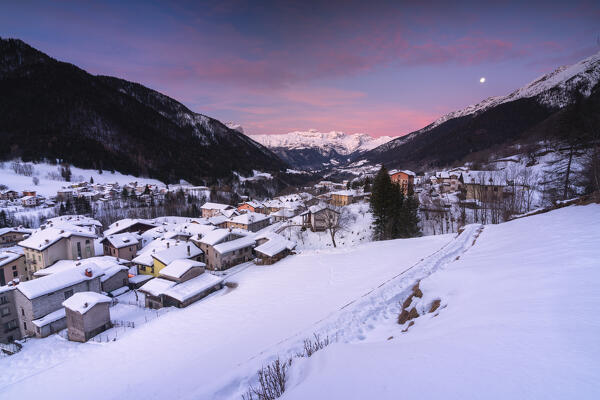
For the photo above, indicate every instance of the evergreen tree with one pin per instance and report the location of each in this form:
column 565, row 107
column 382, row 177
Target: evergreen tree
column 91, row 179
column 409, row 216
column 382, row 205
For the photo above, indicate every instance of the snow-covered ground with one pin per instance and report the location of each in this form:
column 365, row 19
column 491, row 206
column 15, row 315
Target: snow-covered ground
column 48, row 183
column 357, row 231
column 519, row 319
column 215, row 343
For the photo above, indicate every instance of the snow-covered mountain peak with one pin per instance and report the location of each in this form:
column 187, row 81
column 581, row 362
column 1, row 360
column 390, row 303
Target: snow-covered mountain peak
column 342, row 143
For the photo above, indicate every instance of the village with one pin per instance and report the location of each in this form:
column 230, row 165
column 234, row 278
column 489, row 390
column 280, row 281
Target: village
column 71, row 274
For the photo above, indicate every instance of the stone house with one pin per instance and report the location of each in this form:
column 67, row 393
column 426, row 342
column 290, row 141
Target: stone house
column 484, row 186
column 12, row 266
column 29, row 201
column 9, row 319
column 122, row 245
column 181, row 250
column 11, row 236
column 39, row 301
column 213, row 209
column 272, row 247
column 342, row 197
column 114, row 278
column 231, row 253
column 249, row 221
column 209, row 241
column 87, row 314
column 404, row 178
column 317, row 218
column 9, row 195
column 180, row 286
column 49, row 245
column 252, row 206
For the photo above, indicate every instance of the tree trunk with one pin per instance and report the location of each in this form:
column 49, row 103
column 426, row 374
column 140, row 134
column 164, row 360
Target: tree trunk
column 566, row 189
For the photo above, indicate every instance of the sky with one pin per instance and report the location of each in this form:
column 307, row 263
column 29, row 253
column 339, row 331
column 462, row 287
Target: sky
column 376, row 67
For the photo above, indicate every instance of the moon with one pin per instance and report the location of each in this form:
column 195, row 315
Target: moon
column 482, row 80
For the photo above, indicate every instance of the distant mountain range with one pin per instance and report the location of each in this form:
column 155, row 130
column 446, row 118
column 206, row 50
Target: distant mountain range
column 55, row 110
column 314, row 150
column 550, row 106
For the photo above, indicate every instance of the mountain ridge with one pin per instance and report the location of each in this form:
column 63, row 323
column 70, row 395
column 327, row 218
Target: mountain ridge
column 540, row 99
column 55, row 110
column 314, row 149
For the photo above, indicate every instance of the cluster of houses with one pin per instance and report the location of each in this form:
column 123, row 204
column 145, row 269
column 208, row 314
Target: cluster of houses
column 66, row 273
column 101, row 192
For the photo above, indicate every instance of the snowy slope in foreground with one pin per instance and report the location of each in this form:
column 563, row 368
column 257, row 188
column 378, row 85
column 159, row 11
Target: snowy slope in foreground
column 340, row 142
column 521, row 321
column 48, row 186
column 204, row 351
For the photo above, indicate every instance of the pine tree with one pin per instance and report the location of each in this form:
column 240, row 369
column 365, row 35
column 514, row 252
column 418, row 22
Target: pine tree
column 91, row 179
column 382, row 205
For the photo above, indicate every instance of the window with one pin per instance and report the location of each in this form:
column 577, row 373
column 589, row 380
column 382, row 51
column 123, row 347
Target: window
column 3, row 300
column 22, row 311
column 68, row 293
column 14, row 268
column 15, row 274
column 11, row 324
column 25, row 325
column 79, row 249
column 87, row 241
column 4, row 311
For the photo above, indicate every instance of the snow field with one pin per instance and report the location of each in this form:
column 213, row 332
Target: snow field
column 519, row 319
column 212, row 346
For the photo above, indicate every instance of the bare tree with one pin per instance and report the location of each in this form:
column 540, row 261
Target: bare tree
column 335, row 220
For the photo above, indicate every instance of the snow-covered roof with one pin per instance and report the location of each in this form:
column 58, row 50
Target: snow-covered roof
column 157, row 286
column 217, row 219
column 215, row 236
column 49, row 318
column 6, row 257
column 126, row 223
column 344, row 193
column 19, row 229
column 44, row 238
column 102, row 262
column 125, row 239
column 284, row 212
column 180, row 250
column 144, row 256
column 253, row 204
column 177, row 268
column 60, row 280
column 112, row 271
column 249, row 218
column 236, row 244
column 483, row 177
column 404, row 171
column 140, row 278
column 78, row 220
column 215, row 206
column 230, row 213
column 82, row 302
column 275, row 244
column 194, row 286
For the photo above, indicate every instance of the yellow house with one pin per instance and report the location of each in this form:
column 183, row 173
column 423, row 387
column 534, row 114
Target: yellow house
column 160, row 259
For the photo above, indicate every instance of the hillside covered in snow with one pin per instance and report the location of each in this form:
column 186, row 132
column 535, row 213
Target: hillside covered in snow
column 515, row 317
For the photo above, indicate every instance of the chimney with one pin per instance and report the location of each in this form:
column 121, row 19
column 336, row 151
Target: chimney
column 85, row 304
column 168, row 245
column 88, row 272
